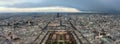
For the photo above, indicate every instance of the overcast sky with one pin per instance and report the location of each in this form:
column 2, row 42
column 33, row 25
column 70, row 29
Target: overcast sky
column 82, row 5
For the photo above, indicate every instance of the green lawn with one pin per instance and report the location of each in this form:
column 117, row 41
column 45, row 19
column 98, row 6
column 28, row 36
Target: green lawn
column 54, row 42
column 66, row 42
column 61, row 38
column 60, row 42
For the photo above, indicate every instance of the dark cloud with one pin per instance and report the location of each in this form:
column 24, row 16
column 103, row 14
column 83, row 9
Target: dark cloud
column 83, row 5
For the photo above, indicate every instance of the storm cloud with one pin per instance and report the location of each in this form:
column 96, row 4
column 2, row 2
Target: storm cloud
column 82, row 5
